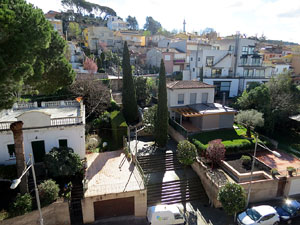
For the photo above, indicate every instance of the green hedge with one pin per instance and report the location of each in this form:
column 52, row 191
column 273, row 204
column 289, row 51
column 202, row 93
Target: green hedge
column 119, row 129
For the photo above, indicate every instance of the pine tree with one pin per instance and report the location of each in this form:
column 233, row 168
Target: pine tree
column 161, row 130
column 128, row 93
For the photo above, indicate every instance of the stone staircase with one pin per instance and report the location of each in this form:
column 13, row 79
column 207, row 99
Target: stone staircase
column 159, row 162
column 186, row 189
column 75, row 203
column 179, row 191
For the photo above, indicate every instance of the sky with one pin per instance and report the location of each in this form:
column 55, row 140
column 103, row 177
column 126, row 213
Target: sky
column 276, row 19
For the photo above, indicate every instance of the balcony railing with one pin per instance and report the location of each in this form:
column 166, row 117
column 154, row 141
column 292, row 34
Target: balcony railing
column 54, row 122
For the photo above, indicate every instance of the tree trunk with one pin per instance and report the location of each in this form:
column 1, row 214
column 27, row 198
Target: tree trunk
column 16, row 128
column 248, row 132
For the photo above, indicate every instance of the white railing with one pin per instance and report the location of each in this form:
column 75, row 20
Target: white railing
column 65, row 121
column 5, row 125
column 25, row 105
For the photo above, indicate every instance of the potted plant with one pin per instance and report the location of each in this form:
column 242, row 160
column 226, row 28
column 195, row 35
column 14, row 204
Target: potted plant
column 274, row 172
column 291, row 170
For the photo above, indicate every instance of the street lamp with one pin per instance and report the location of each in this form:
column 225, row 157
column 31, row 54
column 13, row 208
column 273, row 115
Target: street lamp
column 16, row 182
column 253, row 162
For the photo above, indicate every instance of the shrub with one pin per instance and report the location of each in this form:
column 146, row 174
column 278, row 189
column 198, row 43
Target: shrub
column 21, row 205
column 215, row 151
column 48, row 192
column 62, row 162
column 8, row 172
column 119, row 128
column 291, row 169
column 114, row 106
column 274, row 171
column 246, row 160
column 186, row 152
column 200, row 147
column 233, row 198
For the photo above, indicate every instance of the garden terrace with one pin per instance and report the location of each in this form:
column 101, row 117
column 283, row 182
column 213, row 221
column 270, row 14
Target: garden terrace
column 233, row 165
column 233, row 139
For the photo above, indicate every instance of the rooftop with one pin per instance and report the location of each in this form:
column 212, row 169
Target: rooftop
column 188, row 84
column 202, row 109
column 110, row 172
column 60, row 112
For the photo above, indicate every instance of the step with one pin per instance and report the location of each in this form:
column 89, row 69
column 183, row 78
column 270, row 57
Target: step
column 176, row 181
column 174, row 201
column 193, row 190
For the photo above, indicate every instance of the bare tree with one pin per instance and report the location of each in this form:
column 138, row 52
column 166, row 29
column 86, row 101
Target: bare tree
column 96, row 96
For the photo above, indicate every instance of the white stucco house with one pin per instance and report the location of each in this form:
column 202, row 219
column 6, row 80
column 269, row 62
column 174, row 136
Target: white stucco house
column 47, row 125
column 191, row 104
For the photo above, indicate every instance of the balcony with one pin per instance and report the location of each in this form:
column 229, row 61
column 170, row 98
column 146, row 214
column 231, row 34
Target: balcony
column 179, row 61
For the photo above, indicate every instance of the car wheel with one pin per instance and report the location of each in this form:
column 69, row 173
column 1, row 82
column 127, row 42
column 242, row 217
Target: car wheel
column 289, row 222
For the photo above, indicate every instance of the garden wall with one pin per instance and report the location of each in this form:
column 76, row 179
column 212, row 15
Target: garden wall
column 175, row 135
column 262, row 190
column 55, row 214
column 211, row 188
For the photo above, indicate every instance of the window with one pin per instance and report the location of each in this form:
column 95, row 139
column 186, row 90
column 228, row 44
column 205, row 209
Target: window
column 180, row 99
column 194, row 69
column 63, row 143
column 245, row 50
column 265, row 218
column 198, row 59
column 256, row 61
column 251, row 50
column 246, row 72
column 11, row 151
column 193, row 98
column 204, row 98
column 216, row 72
column 251, row 73
column 260, row 73
column 167, row 58
column 222, row 87
column 209, row 60
column 191, row 58
column 244, row 61
column 231, row 47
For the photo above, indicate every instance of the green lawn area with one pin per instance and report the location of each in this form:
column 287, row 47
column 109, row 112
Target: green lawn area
column 231, row 138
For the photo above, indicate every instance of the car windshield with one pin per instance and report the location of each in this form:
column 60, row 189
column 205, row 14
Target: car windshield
column 253, row 214
column 289, row 208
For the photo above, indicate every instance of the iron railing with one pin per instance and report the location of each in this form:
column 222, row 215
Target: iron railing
column 178, row 128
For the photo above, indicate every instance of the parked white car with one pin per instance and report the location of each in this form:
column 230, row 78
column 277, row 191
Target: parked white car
column 259, row 215
column 165, row 214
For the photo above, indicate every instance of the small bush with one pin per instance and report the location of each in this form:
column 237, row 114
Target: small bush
column 246, row 160
column 186, row 152
column 291, row 169
column 48, row 191
column 3, row 215
column 114, row 106
column 274, row 171
column 22, row 205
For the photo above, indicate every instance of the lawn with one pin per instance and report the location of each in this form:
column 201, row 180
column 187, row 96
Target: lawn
column 231, row 138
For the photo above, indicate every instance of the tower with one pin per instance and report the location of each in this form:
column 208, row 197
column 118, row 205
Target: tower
column 184, row 26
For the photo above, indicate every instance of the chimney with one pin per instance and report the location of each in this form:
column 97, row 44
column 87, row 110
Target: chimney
column 223, row 102
column 16, row 128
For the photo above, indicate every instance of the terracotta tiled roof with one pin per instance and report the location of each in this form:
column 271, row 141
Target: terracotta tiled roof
column 188, row 84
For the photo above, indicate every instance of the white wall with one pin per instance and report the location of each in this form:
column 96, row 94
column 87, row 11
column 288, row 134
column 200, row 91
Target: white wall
column 173, row 96
column 74, row 134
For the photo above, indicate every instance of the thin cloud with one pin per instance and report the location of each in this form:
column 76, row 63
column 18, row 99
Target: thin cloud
column 236, row 5
column 290, row 14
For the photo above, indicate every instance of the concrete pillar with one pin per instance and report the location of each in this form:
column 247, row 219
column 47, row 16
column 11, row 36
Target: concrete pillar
column 16, row 128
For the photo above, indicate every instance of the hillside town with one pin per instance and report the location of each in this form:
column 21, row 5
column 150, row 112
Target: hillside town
column 107, row 121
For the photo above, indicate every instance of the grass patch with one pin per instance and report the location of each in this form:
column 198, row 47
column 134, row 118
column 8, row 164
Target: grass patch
column 231, row 138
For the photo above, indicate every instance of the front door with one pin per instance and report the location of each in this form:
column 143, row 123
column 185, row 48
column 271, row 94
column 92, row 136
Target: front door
column 38, row 150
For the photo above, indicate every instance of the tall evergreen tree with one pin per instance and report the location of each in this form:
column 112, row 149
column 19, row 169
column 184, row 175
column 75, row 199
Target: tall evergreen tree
column 161, row 130
column 128, row 93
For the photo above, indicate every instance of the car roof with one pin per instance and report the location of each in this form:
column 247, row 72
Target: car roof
column 293, row 203
column 160, row 208
column 264, row 209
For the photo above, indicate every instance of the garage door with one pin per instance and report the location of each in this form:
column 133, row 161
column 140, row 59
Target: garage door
column 295, row 187
column 114, row 207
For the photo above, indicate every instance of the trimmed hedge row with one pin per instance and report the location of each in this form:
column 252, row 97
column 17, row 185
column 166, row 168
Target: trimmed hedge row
column 232, row 146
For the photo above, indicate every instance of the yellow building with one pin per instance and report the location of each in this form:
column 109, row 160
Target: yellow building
column 132, row 37
column 57, row 25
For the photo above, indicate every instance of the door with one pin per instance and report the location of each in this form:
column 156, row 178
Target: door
column 204, row 98
column 114, row 207
column 38, row 150
column 193, row 97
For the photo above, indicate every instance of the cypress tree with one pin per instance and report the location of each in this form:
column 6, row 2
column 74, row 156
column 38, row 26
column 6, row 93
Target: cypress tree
column 128, row 92
column 161, row 126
